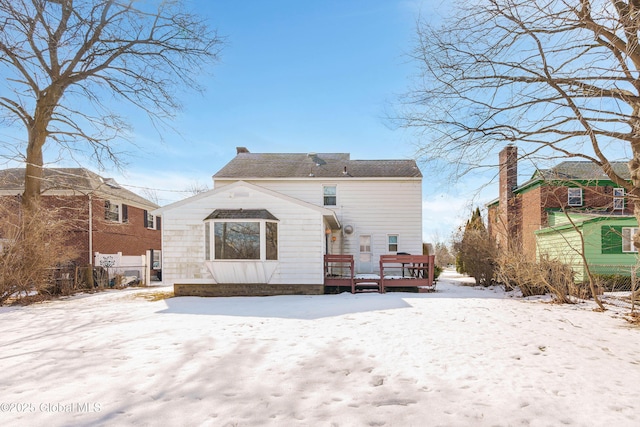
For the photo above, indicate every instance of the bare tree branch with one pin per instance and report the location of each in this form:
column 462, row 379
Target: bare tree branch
column 60, row 59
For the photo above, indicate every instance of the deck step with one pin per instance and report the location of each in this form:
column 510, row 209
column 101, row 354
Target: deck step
column 367, row 285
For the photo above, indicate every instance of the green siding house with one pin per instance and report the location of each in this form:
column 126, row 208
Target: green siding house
column 606, row 242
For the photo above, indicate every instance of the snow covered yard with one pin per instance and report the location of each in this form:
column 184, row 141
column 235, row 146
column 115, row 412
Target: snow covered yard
column 460, row 356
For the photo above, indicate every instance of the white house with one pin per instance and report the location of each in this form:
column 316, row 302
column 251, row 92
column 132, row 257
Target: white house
column 270, row 218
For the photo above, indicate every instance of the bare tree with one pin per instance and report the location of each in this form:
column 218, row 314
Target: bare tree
column 443, row 255
column 66, row 63
column 196, row 187
column 561, row 78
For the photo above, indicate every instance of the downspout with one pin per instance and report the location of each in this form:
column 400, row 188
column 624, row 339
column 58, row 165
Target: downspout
column 90, row 230
column 342, row 235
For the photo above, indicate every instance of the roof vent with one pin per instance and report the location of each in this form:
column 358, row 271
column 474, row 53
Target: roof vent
column 112, row 183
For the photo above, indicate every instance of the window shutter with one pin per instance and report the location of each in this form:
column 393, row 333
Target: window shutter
column 611, row 239
column 146, row 222
column 125, row 213
column 158, row 221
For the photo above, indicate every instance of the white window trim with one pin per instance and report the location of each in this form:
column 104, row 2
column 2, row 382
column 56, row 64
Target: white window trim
column 569, row 196
column 151, row 225
column 263, row 240
column 618, row 199
column 335, row 186
column 397, row 243
column 119, row 205
column 628, row 240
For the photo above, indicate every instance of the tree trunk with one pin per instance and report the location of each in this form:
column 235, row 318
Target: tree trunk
column 634, row 169
column 37, row 137
column 33, row 170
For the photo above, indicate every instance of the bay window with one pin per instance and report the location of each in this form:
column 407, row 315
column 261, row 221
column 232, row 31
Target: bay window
column 241, row 235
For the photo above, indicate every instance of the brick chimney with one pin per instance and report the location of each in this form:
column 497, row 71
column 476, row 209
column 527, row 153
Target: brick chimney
column 241, row 150
column 508, row 162
column 508, row 179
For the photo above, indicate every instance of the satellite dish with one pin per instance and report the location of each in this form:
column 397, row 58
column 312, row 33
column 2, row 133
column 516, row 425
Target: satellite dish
column 348, row 229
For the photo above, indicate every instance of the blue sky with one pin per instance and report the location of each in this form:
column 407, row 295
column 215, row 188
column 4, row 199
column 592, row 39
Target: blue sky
column 298, row 76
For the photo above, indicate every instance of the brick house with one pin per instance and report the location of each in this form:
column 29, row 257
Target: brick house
column 104, row 216
column 571, row 186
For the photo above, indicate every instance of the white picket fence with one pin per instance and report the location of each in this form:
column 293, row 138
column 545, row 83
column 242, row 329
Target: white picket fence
column 134, row 269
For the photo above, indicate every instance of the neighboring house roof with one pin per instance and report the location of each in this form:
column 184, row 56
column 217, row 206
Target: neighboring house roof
column 75, row 180
column 321, row 165
column 570, row 171
column 581, row 170
column 574, row 171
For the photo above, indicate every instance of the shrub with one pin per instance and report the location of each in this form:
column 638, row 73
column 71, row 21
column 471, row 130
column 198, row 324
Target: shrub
column 437, row 270
column 33, row 249
column 476, row 251
column 546, row 276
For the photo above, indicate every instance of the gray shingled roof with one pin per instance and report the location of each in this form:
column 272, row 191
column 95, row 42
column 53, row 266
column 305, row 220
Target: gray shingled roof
column 582, row 170
column 241, row 214
column 75, row 179
column 320, row 165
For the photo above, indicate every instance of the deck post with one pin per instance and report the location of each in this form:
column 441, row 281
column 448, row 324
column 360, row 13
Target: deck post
column 432, row 268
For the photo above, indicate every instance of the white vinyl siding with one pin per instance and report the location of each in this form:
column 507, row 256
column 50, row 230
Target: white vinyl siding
column 375, row 207
column 300, row 240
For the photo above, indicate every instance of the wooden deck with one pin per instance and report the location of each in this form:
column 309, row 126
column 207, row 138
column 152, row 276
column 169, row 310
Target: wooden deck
column 339, row 271
column 415, row 271
column 396, row 271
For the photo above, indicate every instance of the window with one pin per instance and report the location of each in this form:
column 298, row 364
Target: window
column 618, row 198
column 241, row 234
column 148, row 220
column 237, row 240
column 365, row 248
column 156, row 259
column 207, row 241
column 111, row 211
column 393, row 243
column 628, row 234
column 271, row 240
column 574, row 196
column 329, row 193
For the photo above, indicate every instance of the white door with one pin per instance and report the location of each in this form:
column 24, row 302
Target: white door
column 365, row 265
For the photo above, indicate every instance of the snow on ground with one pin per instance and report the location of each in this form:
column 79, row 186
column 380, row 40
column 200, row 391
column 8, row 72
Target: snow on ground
column 461, row 356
